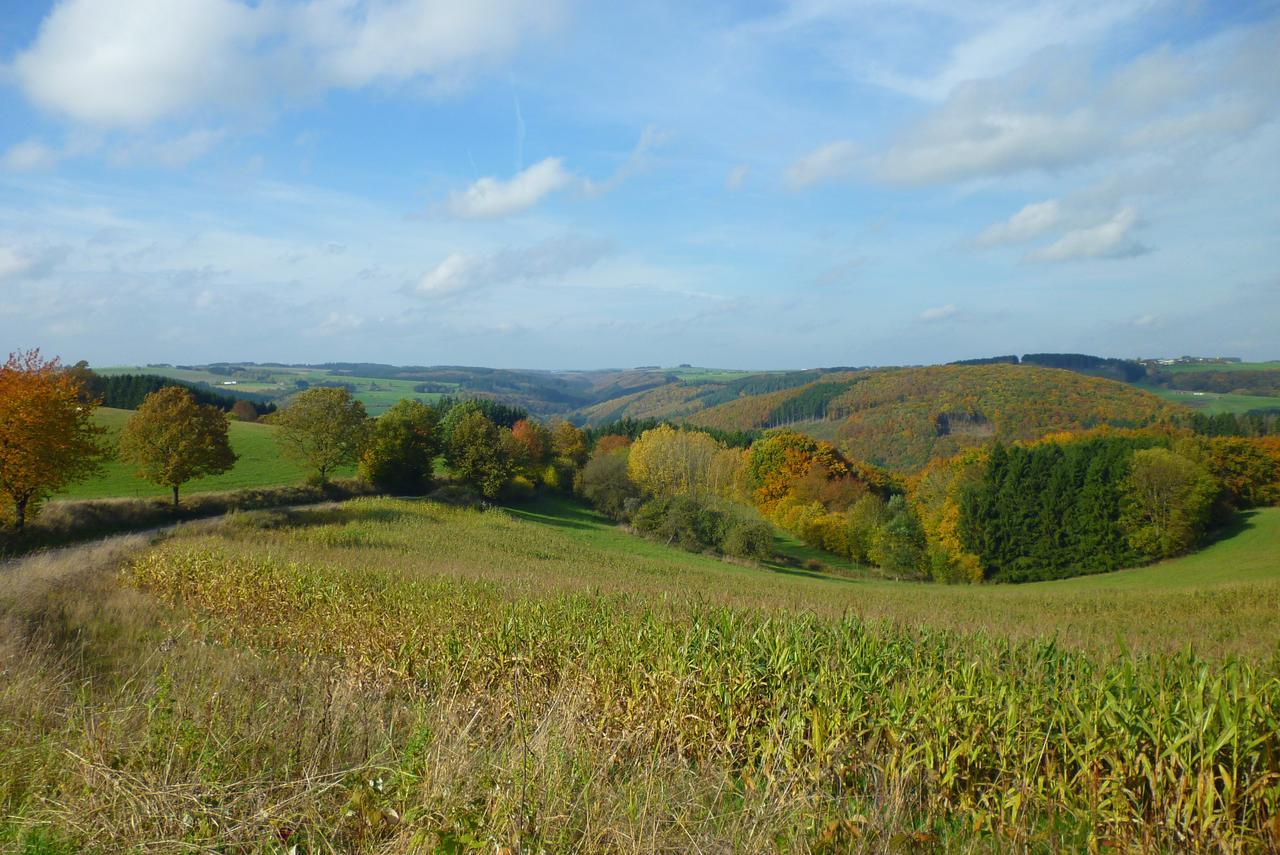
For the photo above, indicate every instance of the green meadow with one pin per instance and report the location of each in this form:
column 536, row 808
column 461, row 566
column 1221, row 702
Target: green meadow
column 260, row 465
column 1216, row 402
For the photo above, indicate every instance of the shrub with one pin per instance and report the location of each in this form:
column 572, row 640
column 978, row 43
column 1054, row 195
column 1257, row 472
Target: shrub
column 605, row 484
column 748, row 539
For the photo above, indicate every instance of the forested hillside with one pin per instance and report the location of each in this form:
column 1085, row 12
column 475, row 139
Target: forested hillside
column 902, row 417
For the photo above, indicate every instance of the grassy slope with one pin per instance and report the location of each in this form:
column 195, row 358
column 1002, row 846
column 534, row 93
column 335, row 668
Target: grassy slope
column 1220, row 600
column 393, row 676
column 260, row 465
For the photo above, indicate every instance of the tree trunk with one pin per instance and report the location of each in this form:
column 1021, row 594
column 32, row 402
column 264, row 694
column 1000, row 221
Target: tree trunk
column 20, row 513
column 175, row 497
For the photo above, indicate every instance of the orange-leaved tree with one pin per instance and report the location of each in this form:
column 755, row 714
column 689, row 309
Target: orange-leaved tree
column 172, row 439
column 48, row 438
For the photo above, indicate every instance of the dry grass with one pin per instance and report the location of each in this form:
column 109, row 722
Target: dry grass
column 66, row 521
column 403, row 676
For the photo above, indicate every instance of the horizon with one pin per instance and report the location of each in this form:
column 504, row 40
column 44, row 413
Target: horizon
column 784, row 184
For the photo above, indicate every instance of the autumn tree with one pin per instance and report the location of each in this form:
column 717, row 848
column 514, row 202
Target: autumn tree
column 610, row 442
column 782, row 458
column 569, row 444
column 530, row 446
column 665, row 461
column 172, row 439
column 48, row 438
column 244, row 411
column 402, row 446
column 325, row 428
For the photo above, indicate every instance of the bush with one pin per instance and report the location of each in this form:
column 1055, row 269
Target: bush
column 605, row 484
column 749, row 539
column 683, row 521
column 701, row 527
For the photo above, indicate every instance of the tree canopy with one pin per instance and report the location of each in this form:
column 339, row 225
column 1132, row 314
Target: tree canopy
column 324, row 428
column 47, row 435
column 172, row 439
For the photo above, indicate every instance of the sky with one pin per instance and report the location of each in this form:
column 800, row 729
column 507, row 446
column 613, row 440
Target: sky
column 561, row 184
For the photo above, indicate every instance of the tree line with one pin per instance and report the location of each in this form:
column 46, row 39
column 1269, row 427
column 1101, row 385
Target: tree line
column 128, row 391
column 1066, row 504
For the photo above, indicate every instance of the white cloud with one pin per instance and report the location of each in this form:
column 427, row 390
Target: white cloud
column 830, row 162
column 1030, row 222
column 1111, row 239
column 134, row 62
column 1058, row 112
column 130, row 62
column 29, row 156
column 736, row 177
column 1001, row 38
column 939, row 313
column 1146, row 321
column 461, row 273
column 359, row 43
column 491, row 198
column 971, row 140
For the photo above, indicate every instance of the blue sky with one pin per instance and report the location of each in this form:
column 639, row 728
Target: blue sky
column 569, row 184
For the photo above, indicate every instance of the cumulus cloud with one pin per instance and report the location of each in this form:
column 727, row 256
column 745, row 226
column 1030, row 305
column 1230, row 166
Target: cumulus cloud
column 1111, row 239
column 491, row 198
column 1030, row 222
column 133, row 62
column 830, row 162
column 461, row 273
column 939, row 313
column 1057, row 112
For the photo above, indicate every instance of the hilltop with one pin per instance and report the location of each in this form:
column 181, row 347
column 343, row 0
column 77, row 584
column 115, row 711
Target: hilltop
column 902, row 417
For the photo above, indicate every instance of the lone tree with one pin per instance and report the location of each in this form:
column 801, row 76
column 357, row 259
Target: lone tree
column 403, row 444
column 48, row 438
column 324, row 428
column 172, row 439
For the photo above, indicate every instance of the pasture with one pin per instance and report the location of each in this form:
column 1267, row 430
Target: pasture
column 1215, row 402
column 260, row 465
column 377, row 394
column 401, row 675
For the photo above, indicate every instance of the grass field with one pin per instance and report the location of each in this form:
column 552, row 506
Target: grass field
column 1225, row 366
column 1215, row 402
column 403, row 676
column 260, row 465
column 377, row 394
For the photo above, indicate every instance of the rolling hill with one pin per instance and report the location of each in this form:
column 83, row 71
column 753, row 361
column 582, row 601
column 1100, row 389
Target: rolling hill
column 901, row 417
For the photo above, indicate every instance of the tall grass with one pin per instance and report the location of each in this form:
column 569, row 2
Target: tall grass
column 66, row 521
column 396, row 676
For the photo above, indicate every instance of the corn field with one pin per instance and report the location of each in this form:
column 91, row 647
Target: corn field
column 350, row 681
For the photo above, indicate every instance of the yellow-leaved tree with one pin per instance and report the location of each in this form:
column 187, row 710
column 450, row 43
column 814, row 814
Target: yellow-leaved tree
column 173, row 440
column 665, row 462
column 48, row 438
